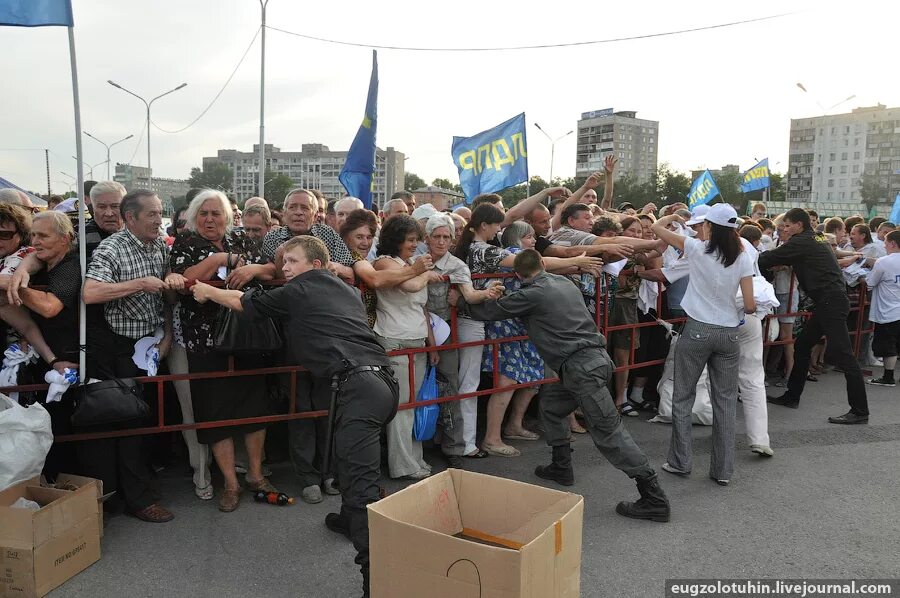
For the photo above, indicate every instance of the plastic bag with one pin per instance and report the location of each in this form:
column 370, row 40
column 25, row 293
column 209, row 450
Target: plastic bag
column 427, row 415
column 702, row 411
column 25, row 440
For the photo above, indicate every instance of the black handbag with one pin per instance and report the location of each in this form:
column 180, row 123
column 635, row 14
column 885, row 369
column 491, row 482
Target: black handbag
column 236, row 334
column 111, row 401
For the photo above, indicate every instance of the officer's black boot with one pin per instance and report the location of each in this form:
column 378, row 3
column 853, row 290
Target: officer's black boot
column 652, row 504
column 560, row 470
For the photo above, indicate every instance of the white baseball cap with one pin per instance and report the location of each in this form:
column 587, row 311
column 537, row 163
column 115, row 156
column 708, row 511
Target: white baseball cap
column 723, row 215
column 698, row 215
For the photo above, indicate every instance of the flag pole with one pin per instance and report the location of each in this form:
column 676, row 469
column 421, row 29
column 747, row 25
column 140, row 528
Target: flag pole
column 79, row 193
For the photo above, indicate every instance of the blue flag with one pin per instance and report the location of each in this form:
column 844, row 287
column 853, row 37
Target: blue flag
column 703, row 190
column 492, row 160
column 36, row 13
column 359, row 168
column 756, row 178
column 895, row 211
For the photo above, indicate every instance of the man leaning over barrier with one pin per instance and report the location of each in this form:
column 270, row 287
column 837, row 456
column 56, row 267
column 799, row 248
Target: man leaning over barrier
column 564, row 333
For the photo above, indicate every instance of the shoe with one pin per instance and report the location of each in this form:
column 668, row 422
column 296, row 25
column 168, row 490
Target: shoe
column 849, row 418
column 524, row 435
column 881, row 382
column 204, row 493
column 419, row 475
column 311, row 494
column 628, row 410
column 652, row 505
column 261, row 485
column 454, row 461
column 560, row 469
column 784, row 401
column 478, row 454
column 230, row 500
column 762, row 450
column 329, row 486
column 338, row 524
column 666, row 467
column 154, row 514
column 503, row 450
column 718, row 481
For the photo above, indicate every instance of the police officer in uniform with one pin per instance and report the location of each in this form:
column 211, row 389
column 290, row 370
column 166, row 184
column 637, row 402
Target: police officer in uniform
column 820, row 276
column 562, row 329
column 331, row 339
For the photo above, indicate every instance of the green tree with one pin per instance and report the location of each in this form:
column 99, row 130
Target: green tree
column 412, row 181
column 872, row 190
column 277, row 187
column 671, row 186
column 729, row 187
column 628, row 188
column 513, row 195
column 217, row 176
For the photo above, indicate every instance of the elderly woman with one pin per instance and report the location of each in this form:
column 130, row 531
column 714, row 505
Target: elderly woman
column 358, row 232
column 209, row 249
column 402, row 322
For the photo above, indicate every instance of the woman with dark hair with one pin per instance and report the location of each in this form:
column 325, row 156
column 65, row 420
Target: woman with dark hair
column 718, row 267
column 358, row 233
column 402, row 322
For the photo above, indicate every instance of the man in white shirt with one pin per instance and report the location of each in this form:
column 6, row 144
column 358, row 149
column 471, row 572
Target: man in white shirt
column 884, row 280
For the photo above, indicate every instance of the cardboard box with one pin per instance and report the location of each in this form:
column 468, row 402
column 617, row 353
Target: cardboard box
column 39, row 550
column 460, row 534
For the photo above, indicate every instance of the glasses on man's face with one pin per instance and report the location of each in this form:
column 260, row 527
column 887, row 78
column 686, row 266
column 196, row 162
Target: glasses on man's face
column 6, row 235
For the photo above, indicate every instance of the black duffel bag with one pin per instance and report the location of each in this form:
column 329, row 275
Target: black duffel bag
column 113, row 401
column 235, row 333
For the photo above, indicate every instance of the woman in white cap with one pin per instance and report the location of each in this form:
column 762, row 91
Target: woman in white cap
column 718, row 267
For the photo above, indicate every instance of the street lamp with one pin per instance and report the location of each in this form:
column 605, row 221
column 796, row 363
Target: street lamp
column 147, row 104
column 552, row 147
column 819, row 104
column 107, row 149
column 89, row 167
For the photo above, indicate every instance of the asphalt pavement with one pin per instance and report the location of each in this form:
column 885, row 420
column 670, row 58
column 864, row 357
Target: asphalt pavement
column 825, row 506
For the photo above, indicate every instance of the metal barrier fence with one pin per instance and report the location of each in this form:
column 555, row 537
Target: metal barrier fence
column 601, row 315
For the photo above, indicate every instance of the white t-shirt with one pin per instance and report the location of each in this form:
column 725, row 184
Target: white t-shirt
column 712, row 287
column 884, row 280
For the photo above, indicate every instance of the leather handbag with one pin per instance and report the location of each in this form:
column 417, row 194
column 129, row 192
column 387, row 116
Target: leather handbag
column 111, row 401
column 236, row 334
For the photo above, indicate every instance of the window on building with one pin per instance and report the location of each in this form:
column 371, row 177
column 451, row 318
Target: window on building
column 831, row 156
column 856, row 169
column 831, row 170
column 843, row 182
column 856, row 141
column 843, row 195
column 847, row 129
column 828, row 196
column 832, row 130
column 846, row 142
column 856, row 155
column 830, row 183
column 843, row 155
column 843, row 170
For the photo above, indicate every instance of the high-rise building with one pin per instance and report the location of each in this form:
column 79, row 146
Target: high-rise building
column 313, row 167
column 830, row 154
column 138, row 177
column 717, row 172
column 634, row 140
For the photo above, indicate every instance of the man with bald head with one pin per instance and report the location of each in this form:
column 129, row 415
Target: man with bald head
column 343, row 208
column 464, row 212
column 256, row 201
column 391, row 208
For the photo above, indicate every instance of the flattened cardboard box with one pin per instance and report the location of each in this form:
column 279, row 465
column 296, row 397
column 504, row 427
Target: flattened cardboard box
column 39, row 550
column 528, row 540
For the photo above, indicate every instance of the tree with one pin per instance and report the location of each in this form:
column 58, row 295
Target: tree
column 872, row 190
column 513, row 195
column 729, row 183
column 628, row 188
column 217, row 176
column 277, row 187
column 412, row 181
column 671, row 186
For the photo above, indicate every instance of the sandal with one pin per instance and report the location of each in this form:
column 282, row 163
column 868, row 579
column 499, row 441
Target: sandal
column 578, row 430
column 524, row 435
column 811, row 378
column 501, row 451
column 154, row 514
column 229, row 500
column 628, row 410
column 204, row 493
column 478, row 454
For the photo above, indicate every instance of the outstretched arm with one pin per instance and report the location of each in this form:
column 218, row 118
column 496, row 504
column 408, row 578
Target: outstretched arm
column 591, row 183
column 227, row 297
column 609, row 165
column 521, row 210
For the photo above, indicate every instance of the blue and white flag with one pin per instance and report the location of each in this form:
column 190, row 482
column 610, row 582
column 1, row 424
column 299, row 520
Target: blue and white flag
column 492, row 160
column 359, row 167
column 756, row 178
column 36, row 13
column 703, row 190
column 895, row 211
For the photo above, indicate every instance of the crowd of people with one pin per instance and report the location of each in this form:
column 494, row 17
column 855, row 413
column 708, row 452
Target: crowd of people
column 553, row 267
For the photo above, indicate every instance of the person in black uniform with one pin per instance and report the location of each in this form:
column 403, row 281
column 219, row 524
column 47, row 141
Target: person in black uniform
column 331, row 339
column 820, row 276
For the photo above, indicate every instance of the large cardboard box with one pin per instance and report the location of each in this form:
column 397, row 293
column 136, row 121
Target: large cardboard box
column 460, row 534
column 39, row 550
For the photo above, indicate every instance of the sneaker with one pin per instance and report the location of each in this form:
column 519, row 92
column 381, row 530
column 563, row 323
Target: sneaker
column 762, row 450
column 881, row 382
column 629, row 410
column 849, row 418
column 312, row 494
column 784, row 400
column 330, row 487
column 666, row 467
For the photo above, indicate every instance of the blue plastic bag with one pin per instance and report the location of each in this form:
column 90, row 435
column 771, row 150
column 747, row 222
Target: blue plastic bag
column 427, row 415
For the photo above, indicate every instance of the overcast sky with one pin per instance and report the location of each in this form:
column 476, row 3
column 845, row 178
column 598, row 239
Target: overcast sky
column 721, row 96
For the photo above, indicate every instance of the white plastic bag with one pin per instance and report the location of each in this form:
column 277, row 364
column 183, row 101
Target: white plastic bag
column 702, row 411
column 25, row 440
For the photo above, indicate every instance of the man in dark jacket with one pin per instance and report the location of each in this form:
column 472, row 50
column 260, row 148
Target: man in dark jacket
column 562, row 330
column 820, row 277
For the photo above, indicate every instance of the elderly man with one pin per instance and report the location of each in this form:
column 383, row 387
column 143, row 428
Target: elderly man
column 464, row 213
column 390, row 209
column 256, row 201
column 257, row 222
column 127, row 273
column 408, row 198
column 12, row 196
column 343, row 208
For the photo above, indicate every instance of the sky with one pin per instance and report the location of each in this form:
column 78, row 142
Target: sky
column 722, row 96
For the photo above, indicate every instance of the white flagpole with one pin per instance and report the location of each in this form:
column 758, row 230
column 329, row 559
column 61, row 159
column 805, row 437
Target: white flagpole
column 82, row 249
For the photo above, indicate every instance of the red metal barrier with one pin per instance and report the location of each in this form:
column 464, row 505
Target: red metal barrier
column 600, row 318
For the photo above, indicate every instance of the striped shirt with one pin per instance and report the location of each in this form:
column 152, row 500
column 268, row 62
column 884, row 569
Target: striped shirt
column 336, row 247
column 122, row 257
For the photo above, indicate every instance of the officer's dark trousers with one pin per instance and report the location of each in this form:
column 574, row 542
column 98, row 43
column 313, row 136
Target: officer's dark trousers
column 307, row 437
column 829, row 318
column 583, row 383
column 366, row 402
